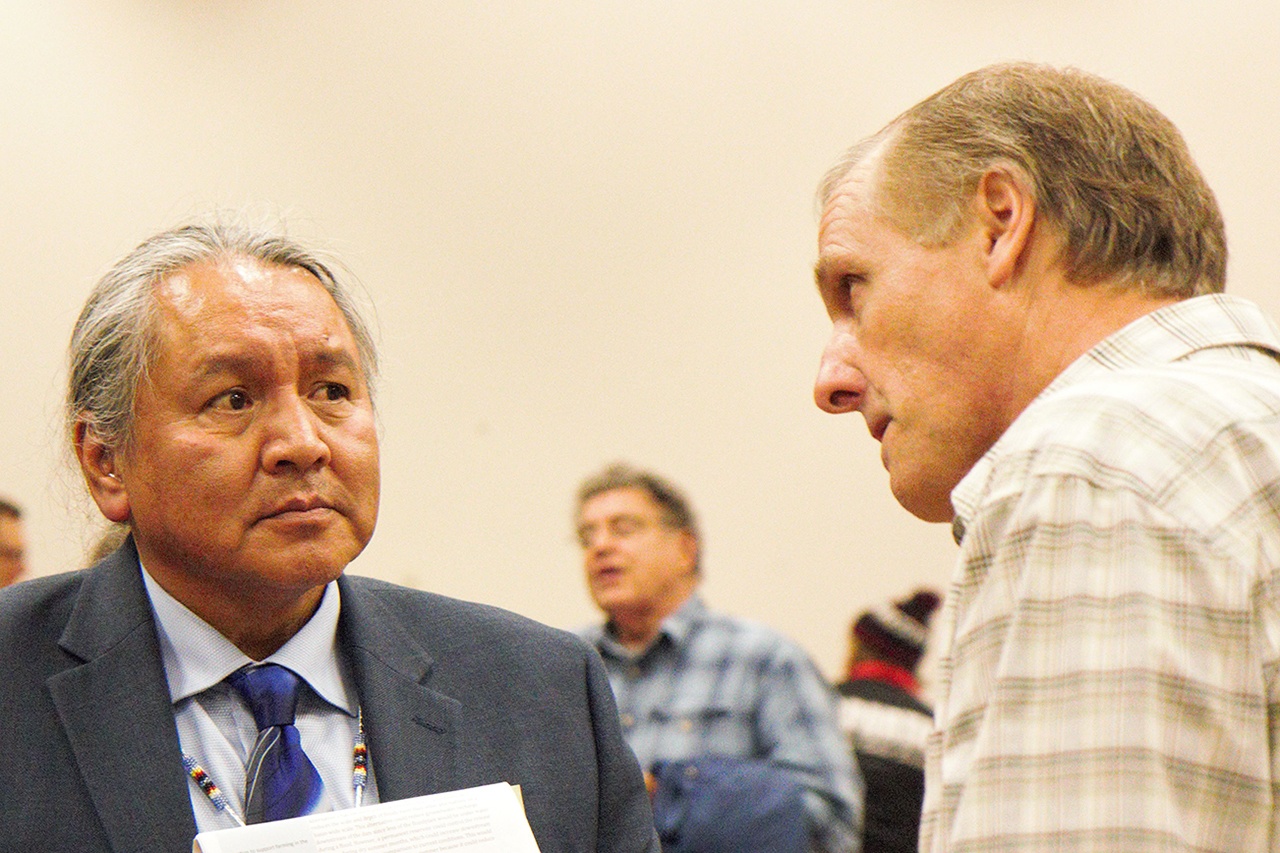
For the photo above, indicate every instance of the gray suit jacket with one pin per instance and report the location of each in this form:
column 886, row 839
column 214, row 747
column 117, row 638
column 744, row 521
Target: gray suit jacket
column 454, row 695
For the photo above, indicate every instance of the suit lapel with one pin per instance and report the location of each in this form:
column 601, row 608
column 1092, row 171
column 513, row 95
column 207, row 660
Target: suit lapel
column 413, row 731
column 116, row 712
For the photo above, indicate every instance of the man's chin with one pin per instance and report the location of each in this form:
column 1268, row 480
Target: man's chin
column 302, row 566
column 925, row 504
column 333, row 539
column 612, row 601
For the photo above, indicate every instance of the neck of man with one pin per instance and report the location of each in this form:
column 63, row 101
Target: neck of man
column 260, row 638
column 1063, row 321
column 258, row 622
column 635, row 628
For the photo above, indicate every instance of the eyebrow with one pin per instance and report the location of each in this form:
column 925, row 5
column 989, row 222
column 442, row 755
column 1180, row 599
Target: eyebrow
column 234, row 362
column 336, row 357
column 827, row 266
column 822, row 269
column 223, row 363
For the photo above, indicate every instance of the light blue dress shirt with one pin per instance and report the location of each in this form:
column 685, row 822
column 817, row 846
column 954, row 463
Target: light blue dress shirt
column 215, row 725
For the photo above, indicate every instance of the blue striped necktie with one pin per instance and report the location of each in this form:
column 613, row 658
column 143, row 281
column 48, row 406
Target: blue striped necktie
column 280, row 781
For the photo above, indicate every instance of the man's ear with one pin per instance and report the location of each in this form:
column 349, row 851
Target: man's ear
column 98, row 463
column 1006, row 212
column 689, row 549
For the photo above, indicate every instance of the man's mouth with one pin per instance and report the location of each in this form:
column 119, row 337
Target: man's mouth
column 311, row 506
column 606, row 574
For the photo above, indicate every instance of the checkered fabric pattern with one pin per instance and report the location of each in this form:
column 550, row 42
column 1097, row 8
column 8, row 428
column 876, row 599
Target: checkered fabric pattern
column 717, row 685
column 1111, row 639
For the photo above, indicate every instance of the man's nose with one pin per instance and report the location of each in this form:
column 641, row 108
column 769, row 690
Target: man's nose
column 597, row 541
column 840, row 385
column 294, row 437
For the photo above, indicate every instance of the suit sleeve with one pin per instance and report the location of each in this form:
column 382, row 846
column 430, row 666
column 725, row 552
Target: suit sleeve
column 626, row 819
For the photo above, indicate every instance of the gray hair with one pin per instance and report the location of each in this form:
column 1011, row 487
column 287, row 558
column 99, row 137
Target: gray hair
column 114, row 340
column 1109, row 171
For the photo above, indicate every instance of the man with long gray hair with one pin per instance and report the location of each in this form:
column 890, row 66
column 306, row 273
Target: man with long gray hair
column 1024, row 276
column 219, row 668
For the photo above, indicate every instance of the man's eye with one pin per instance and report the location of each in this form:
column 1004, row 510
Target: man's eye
column 853, row 291
column 333, row 391
column 235, row 400
column 850, row 283
column 626, row 526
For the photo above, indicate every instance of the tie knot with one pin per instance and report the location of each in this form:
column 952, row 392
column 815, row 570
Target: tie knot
column 271, row 691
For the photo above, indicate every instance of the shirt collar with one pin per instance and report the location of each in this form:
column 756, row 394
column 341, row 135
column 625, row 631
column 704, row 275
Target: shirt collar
column 196, row 656
column 1165, row 335
column 674, row 629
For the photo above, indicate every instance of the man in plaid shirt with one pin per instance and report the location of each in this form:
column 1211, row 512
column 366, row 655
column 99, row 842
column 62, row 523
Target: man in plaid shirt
column 1024, row 275
column 693, row 684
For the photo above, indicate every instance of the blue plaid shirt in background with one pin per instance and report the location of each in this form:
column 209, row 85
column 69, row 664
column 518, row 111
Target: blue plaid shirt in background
column 712, row 684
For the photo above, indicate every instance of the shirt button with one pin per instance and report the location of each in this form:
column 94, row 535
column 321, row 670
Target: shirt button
column 633, row 671
column 628, row 721
column 686, row 725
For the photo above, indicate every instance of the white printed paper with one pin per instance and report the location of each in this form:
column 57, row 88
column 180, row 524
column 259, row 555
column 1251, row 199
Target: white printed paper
column 488, row 819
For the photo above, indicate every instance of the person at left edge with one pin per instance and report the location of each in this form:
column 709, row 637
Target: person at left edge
column 13, row 543
column 220, row 403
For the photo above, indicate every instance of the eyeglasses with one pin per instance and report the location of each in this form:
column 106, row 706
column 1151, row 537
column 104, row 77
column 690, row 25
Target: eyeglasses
column 616, row 527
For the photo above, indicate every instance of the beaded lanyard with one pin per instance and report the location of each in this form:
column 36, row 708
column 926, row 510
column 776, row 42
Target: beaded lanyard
column 359, row 774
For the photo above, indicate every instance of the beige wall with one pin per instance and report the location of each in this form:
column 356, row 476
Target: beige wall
column 587, row 227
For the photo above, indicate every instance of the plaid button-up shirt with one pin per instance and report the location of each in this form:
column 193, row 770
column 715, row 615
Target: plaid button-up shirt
column 1112, row 634
column 712, row 684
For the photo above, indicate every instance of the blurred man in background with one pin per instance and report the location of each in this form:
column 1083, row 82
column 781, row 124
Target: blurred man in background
column 693, row 683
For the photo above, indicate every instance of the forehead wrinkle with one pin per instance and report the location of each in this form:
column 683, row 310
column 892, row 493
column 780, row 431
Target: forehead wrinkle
column 184, row 332
column 211, row 291
column 835, row 261
column 245, row 361
column 852, row 233
column 859, row 188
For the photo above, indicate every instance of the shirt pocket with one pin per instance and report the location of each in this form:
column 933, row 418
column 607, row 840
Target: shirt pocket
column 690, row 729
